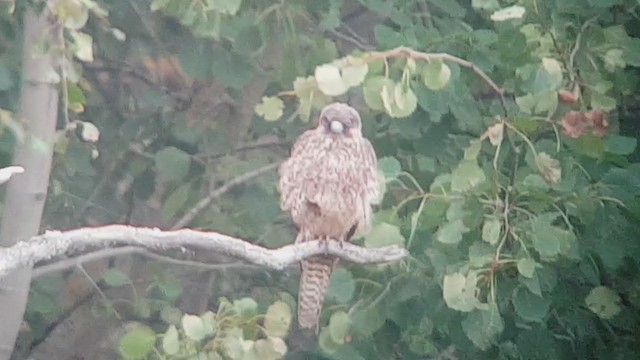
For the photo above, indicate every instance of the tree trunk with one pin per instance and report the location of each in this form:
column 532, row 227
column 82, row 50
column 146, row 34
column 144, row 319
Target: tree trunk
column 26, row 193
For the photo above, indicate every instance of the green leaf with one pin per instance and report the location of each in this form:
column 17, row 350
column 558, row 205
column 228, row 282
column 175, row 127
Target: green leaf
column 326, row 343
column 367, row 321
column 115, row 277
column 82, row 46
column 529, row 306
column 436, row 75
column 176, row 201
column 491, row 230
column 548, row 76
column 271, row 108
column 170, row 287
column 386, row 37
column 43, row 304
column 277, row 319
column 271, row 348
column 74, row 92
column 246, row 307
column 459, row 291
column 435, row 103
column 549, row 167
column 550, row 240
column 532, row 283
column 471, row 153
column 390, row 167
column 527, row 267
column 339, row 326
column 483, row 326
column 531, row 342
column 341, row 286
column 170, row 341
column 354, row 73
column 137, row 343
column 372, row 91
column 451, row 8
column 481, row 254
column 72, row 14
column 620, row 145
column 485, row 4
column 329, row 80
column 603, row 301
column 535, row 181
column 405, row 100
column 172, row 163
column 384, row 234
column 229, row 7
column 193, row 327
column 309, row 96
column 231, row 69
column 451, row 232
column 210, row 323
column 142, row 308
column 171, row 315
column 542, row 102
column 632, row 51
column 601, row 101
column 466, row 176
column 509, row 13
column 234, row 347
column 613, row 60
column 426, row 163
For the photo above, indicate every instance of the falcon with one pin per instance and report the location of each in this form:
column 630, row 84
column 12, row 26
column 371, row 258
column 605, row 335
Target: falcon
column 328, row 185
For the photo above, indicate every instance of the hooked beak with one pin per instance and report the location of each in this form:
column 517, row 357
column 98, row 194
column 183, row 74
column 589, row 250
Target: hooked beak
column 336, row 127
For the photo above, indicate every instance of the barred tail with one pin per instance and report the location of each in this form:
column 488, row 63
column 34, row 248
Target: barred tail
column 314, row 282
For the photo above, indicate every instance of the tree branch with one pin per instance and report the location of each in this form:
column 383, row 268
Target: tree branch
column 56, row 243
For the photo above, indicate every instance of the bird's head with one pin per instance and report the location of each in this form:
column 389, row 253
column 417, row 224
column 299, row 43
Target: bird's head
column 339, row 119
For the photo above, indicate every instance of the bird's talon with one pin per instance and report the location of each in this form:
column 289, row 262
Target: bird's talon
column 326, row 245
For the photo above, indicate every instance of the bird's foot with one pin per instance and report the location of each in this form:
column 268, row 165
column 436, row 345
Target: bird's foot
column 324, row 243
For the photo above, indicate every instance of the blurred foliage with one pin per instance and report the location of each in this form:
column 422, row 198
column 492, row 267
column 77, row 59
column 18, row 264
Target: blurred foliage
column 505, row 131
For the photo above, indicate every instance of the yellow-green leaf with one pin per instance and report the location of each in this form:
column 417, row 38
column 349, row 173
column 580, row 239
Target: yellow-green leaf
column 604, row 302
column 170, row 341
column 193, row 327
column 384, row 234
column 277, row 319
column 354, row 73
column 339, row 326
column 137, row 343
column 330, row 81
column 436, row 75
column 83, row 46
column 271, row 108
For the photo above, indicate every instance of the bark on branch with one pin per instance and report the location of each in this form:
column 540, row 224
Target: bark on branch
column 56, row 243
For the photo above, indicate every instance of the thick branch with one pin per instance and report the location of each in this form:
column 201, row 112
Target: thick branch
column 56, row 243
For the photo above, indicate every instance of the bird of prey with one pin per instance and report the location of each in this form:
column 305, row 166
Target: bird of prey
column 328, row 185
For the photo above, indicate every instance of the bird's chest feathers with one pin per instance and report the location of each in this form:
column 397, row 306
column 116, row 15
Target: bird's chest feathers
column 336, row 160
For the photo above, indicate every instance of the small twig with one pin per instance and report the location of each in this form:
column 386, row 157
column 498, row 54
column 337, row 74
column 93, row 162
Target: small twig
column 248, row 147
column 352, row 40
column 63, row 77
column 127, row 69
column 576, row 47
column 353, row 33
column 56, row 243
column 202, row 204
